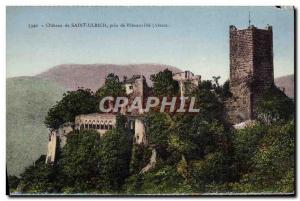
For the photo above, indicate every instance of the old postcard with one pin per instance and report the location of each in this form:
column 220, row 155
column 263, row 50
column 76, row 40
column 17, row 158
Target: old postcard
column 150, row 100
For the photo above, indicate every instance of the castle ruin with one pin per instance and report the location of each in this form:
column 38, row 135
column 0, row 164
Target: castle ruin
column 187, row 80
column 251, row 74
column 103, row 122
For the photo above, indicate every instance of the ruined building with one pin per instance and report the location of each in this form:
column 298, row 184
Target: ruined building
column 103, row 122
column 187, row 80
column 251, row 70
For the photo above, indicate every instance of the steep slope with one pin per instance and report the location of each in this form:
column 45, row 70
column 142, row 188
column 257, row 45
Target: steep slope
column 72, row 76
column 286, row 83
column 27, row 102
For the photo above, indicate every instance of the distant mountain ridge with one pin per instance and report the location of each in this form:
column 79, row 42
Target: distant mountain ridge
column 72, row 76
column 286, row 83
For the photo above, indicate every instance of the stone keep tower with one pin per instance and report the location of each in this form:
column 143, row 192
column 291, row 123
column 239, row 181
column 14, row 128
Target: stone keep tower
column 251, row 70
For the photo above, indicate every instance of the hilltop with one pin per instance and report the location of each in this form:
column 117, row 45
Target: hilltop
column 286, row 82
column 92, row 76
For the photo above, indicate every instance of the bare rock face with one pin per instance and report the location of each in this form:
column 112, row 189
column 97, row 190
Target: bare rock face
column 92, row 76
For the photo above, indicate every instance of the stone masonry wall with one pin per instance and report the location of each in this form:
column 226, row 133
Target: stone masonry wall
column 251, row 70
column 263, row 63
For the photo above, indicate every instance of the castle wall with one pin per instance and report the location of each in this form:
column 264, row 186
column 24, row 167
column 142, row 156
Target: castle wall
column 63, row 132
column 98, row 121
column 51, row 151
column 184, row 77
column 139, row 132
column 136, row 87
column 263, row 64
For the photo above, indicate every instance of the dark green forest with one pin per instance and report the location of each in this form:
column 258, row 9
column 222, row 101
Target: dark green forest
column 196, row 153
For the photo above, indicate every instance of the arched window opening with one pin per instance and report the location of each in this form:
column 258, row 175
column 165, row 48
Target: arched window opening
column 110, row 125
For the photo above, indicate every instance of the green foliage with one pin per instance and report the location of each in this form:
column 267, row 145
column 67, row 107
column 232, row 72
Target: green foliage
column 275, row 107
column 37, row 178
column 226, row 90
column 272, row 161
column 13, row 183
column 112, row 87
column 158, row 130
column 79, row 163
column 139, row 158
column 182, row 168
column 189, row 87
column 209, row 100
column 115, row 154
column 275, row 155
column 121, row 122
column 73, row 103
column 87, row 164
column 245, row 143
column 161, row 180
column 163, row 84
column 196, row 153
column 214, row 168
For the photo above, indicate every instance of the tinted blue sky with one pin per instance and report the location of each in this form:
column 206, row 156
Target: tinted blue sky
column 197, row 38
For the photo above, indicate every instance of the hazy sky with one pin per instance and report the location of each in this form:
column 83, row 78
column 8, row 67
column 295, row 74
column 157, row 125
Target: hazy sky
column 197, row 38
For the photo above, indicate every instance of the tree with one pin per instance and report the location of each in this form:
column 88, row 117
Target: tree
column 275, row 159
column 112, row 87
column 13, row 183
column 275, row 107
column 226, row 90
column 162, row 180
column 245, row 144
column 140, row 156
column 115, row 154
column 38, row 178
column 163, row 84
column 73, row 103
column 79, row 165
column 213, row 169
column 158, row 130
column 271, row 162
column 209, row 100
